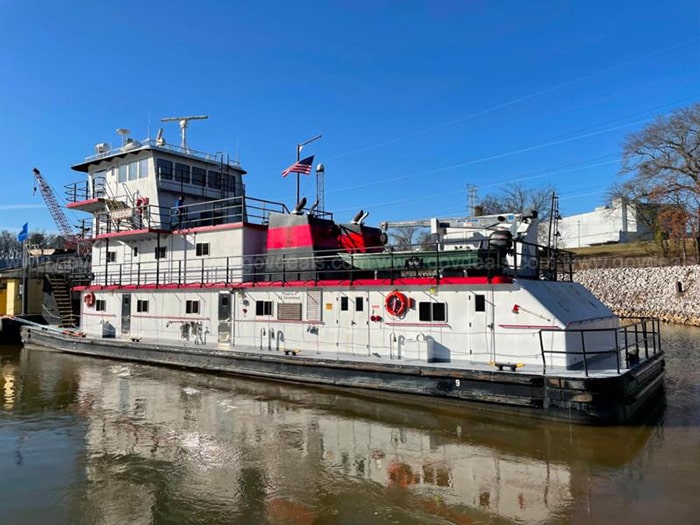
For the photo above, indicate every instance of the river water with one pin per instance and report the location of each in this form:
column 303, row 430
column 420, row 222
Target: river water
column 89, row 441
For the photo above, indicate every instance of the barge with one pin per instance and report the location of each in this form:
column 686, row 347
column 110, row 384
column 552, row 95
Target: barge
column 190, row 271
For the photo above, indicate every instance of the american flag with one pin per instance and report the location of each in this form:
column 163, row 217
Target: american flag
column 300, row 166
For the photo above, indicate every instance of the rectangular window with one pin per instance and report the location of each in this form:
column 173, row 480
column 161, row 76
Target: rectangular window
column 133, row 170
column 141, row 305
column 432, row 312
column 214, row 181
column 202, row 249
column 479, row 303
column 199, row 176
column 136, row 251
column 289, row 311
column 160, row 252
column 100, row 305
column 424, row 311
column 344, row 304
column 359, row 304
column 143, row 168
column 439, row 312
column 111, row 256
column 191, row 307
column 263, row 307
column 182, row 173
column 165, row 169
column 123, row 168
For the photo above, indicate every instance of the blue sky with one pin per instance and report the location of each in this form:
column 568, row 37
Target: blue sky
column 415, row 100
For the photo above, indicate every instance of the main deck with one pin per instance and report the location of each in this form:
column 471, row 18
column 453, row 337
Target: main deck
column 597, row 394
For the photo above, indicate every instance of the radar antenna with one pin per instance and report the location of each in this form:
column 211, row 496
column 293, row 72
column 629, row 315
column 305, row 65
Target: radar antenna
column 184, row 121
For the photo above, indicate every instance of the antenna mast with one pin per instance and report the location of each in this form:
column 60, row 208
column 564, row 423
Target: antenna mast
column 184, row 121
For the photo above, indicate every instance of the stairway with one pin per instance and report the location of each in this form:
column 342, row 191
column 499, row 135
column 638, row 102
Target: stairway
column 60, row 288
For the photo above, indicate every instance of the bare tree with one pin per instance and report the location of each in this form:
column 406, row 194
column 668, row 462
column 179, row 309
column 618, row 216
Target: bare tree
column 517, row 198
column 664, row 161
column 405, row 237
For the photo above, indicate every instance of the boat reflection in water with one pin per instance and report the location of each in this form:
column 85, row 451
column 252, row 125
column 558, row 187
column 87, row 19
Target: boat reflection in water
column 174, row 446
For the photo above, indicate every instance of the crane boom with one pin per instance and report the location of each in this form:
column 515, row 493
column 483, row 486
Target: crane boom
column 55, row 209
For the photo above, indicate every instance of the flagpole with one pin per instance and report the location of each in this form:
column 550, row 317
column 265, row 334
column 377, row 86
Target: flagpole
column 25, row 279
column 299, row 148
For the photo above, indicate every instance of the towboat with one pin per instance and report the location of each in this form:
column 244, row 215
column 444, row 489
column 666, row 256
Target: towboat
column 190, row 271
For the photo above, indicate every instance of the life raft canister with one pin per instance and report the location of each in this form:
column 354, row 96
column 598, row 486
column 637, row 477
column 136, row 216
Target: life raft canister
column 90, row 299
column 396, row 303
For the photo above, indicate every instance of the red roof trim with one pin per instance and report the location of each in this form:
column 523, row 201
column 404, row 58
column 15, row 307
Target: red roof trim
column 79, row 204
column 340, row 283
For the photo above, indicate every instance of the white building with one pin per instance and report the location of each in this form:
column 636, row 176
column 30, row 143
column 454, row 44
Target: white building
column 615, row 223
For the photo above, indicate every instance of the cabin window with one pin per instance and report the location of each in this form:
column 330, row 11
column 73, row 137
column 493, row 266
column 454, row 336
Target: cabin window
column 160, row 252
column 182, row 173
column 432, row 311
column 199, row 176
column 100, row 305
column 214, row 180
column 133, row 170
column 111, row 256
column 479, row 303
column 359, row 304
column 202, row 249
column 135, row 251
column 143, row 168
column 165, row 169
column 344, row 304
column 98, row 183
column 142, row 305
column 289, row 311
column 123, row 168
column 263, row 307
column 191, row 307
column 228, row 183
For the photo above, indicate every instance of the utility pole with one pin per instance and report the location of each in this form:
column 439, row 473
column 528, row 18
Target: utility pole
column 472, row 196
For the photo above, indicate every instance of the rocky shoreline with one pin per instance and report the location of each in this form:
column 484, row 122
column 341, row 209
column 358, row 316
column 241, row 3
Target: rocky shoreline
column 670, row 293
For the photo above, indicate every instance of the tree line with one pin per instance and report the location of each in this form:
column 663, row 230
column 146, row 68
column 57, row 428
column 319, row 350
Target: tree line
column 11, row 248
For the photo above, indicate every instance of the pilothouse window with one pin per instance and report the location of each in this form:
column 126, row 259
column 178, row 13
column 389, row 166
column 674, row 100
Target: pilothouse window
column 143, row 168
column 199, row 176
column 182, row 173
column 165, row 169
column 214, row 180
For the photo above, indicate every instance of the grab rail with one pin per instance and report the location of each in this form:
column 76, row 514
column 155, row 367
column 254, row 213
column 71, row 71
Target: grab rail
column 645, row 338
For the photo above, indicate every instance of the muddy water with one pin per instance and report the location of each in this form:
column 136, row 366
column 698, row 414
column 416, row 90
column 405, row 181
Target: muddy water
column 92, row 441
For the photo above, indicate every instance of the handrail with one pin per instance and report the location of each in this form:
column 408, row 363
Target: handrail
column 319, row 265
column 622, row 331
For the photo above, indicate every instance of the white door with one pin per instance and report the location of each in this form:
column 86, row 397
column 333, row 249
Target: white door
column 480, row 329
column 353, row 322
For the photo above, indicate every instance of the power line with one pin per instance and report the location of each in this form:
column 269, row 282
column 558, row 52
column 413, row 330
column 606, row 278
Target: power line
column 517, row 100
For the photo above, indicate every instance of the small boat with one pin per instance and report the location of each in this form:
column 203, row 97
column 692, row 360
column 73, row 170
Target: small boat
column 190, row 271
column 420, row 260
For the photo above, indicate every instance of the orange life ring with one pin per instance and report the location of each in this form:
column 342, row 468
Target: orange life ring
column 90, row 299
column 396, row 303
